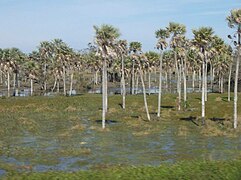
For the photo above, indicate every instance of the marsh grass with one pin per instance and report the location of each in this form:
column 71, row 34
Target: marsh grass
column 61, row 118
column 182, row 170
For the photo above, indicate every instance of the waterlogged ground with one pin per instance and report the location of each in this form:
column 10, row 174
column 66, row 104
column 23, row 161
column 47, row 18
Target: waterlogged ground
column 64, row 133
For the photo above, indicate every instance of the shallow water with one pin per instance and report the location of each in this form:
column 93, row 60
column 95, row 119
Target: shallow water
column 151, row 144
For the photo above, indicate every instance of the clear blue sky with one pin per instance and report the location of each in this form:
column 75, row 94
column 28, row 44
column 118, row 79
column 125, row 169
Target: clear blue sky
column 24, row 23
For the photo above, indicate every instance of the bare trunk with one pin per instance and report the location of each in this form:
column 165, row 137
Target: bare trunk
column 132, row 78
column 137, row 84
column 58, row 86
column 149, row 82
column 31, row 87
column 206, row 81
column 71, row 83
column 203, row 90
column 200, row 80
column 221, row 83
column 123, row 83
column 184, row 83
column 160, row 87
column 193, row 80
column 55, row 82
column 211, row 76
column 144, row 94
column 8, row 83
column 64, row 80
column 235, row 118
column 103, row 94
column 229, row 81
column 178, row 82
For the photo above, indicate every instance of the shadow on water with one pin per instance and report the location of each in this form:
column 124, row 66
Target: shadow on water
column 191, row 119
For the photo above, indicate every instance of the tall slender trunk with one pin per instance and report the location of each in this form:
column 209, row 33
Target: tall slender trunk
column 149, row 82
column 58, row 86
column 160, row 87
column 137, row 84
column 8, row 83
column 229, row 80
column 55, row 82
column 132, row 78
column 200, row 79
column 45, row 78
column 71, row 83
column 184, row 82
column 235, row 114
column 155, row 74
column 64, row 80
column 193, row 80
column 203, row 88
column 123, row 83
column 103, row 94
column 221, row 83
column 206, row 81
column 31, row 87
column 178, row 81
column 1, row 76
column 106, row 90
column 96, row 77
column 16, row 84
column 144, row 94
column 211, row 76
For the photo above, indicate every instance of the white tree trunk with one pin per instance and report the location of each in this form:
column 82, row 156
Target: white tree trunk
column 71, row 83
column 8, row 83
column 203, row 90
column 235, row 114
column 160, row 87
column 184, row 83
column 137, row 84
column 206, row 81
column 229, row 80
column 178, row 82
column 193, row 80
column 211, row 76
column 123, row 83
column 144, row 94
column 149, row 81
column 103, row 94
column 132, row 78
column 221, row 83
column 200, row 79
column 64, row 80
column 31, row 87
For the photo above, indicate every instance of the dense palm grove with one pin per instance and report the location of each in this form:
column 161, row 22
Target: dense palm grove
column 198, row 63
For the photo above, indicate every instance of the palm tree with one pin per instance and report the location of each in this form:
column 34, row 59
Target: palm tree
column 122, row 51
column 177, row 31
column 234, row 21
column 31, row 68
column 162, row 35
column 46, row 54
column 105, row 37
column 202, row 39
column 134, row 48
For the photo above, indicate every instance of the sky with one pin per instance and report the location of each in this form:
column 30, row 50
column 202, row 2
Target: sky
column 25, row 23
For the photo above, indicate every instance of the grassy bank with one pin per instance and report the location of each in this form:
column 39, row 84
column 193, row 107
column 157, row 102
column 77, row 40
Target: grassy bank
column 183, row 170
